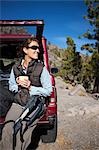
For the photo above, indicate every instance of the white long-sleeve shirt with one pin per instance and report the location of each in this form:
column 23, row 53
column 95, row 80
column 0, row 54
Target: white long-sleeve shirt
column 45, row 79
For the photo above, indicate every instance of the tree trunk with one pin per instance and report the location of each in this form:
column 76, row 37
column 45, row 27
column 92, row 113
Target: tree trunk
column 96, row 85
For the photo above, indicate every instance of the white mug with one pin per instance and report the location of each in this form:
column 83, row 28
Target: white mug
column 22, row 78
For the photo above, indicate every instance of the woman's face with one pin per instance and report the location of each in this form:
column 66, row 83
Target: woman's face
column 32, row 50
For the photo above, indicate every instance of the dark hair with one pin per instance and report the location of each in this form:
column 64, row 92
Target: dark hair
column 28, row 41
column 20, row 52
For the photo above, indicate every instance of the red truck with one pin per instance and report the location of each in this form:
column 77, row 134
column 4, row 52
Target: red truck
column 14, row 32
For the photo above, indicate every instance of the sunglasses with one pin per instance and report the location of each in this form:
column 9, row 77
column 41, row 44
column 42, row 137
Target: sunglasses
column 34, row 47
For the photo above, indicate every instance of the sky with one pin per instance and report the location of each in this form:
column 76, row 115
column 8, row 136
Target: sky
column 62, row 18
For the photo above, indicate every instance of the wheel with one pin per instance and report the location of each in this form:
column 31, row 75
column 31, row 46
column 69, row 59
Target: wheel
column 49, row 135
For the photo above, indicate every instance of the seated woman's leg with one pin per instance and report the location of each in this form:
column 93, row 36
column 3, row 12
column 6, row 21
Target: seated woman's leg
column 6, row 100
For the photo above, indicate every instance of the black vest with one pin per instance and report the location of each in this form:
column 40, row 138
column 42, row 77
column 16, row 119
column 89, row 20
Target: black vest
column 34, row 71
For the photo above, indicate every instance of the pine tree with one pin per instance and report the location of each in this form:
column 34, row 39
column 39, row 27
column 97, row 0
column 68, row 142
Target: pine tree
column 71, row 65
column 93, row 18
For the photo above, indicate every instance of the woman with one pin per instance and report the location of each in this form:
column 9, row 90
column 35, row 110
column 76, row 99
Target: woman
column 29, row 78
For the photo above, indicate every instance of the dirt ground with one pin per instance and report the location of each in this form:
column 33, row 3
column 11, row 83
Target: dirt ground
column 78, row 123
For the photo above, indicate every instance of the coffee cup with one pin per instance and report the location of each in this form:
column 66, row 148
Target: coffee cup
column 22, row 78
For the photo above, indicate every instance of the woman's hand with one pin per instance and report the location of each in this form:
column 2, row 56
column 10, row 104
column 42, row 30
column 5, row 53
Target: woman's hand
column 23, row 81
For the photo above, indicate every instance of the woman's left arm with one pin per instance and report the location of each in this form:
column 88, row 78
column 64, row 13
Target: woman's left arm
column 46, row 88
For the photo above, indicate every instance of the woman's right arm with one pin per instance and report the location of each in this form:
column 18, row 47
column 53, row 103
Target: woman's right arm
column 12, row 82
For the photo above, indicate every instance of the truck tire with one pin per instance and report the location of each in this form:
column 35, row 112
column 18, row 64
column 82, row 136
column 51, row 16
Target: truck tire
column 50, row 135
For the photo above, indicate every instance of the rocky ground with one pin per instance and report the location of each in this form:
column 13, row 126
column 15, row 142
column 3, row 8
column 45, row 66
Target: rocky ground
column 78, row 123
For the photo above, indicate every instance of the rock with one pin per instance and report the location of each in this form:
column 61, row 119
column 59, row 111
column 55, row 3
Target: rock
column 78, row 90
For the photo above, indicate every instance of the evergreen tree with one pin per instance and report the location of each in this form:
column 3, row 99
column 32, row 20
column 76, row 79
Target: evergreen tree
column 93, row 34
column 86, row 73
column 71, row 64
